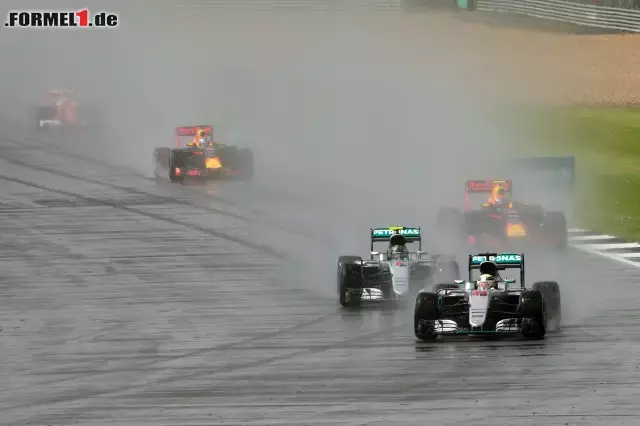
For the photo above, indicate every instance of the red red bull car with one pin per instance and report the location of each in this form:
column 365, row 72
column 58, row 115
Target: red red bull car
column 196, row 152
column 500, row 222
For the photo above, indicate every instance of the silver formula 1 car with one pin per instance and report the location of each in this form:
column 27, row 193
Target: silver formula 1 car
column 503, row 308
column 392, row 275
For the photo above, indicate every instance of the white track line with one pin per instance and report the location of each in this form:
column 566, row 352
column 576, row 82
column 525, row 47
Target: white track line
column 578, row 242
column 611, row 246
column 629, row 255
column 592, row 237
column 577, row 230
column 608, row 256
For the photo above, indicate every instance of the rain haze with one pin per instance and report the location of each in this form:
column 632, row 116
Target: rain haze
column 359, row 116
column 367, row 112
column 362, row 115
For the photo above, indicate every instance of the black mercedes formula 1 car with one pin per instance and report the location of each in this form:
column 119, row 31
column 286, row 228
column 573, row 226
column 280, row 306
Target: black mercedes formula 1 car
column 506, row 308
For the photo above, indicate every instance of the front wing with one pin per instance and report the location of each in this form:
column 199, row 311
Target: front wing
column 508, row 326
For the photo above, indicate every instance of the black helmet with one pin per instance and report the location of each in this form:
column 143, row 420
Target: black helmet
column 397, row 240
column 488, row 268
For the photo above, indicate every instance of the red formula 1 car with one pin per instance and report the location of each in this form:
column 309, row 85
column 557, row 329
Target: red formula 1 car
column 60, row 109
column 499, row 221
column 196, row 152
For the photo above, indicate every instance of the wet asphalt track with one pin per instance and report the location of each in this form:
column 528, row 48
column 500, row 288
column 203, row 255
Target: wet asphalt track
column 130, row 303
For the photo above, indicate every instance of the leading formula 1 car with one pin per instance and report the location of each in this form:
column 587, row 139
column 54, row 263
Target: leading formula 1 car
column 60, row 109
column 488, row 304
column 393, row 275
column 195, row 144
column 500, row 222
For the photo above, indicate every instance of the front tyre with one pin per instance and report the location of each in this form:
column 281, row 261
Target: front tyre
column 532, row 311
column 551, row 294
column 425, row 313
column 349, row 279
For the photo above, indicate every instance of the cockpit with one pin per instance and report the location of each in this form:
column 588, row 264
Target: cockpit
column 397, row 248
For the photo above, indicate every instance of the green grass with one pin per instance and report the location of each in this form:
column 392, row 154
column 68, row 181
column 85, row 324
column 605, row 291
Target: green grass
column 606, row 144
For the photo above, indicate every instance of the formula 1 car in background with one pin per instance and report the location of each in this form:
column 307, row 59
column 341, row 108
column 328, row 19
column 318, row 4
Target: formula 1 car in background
column 488, row 304
column 198, row 156
column 393, row 275
column 60, row 109
column 501, row 222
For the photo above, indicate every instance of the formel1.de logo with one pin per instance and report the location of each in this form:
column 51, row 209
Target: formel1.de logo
column 60, row 19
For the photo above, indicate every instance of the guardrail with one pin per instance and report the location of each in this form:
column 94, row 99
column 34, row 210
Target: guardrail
column 567, row 11
column 320, row 5
column 624, row 4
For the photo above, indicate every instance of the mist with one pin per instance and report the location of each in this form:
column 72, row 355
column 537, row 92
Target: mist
column 364, row 118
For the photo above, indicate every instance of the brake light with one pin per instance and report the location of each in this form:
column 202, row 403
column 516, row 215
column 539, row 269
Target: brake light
column 178, row 172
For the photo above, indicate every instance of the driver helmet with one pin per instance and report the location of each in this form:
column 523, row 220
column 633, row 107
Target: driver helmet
column 398, row 252
column 500, row 195
column 397, row 247
column 486, row 282
column 397, row 240
column 490, row 268
column 202, row 137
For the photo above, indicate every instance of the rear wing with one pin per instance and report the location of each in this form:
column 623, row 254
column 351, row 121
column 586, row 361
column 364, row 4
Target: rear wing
column 383, row 234
column 192, row 131
column 484, row 186
column 480, row 186
column 502, row 260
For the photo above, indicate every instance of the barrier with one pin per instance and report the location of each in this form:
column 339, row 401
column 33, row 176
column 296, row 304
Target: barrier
column 567, row 11
column 320, row 5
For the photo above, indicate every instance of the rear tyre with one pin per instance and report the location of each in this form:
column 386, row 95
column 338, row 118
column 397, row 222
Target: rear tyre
column 41, row 113
column 172, row 174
